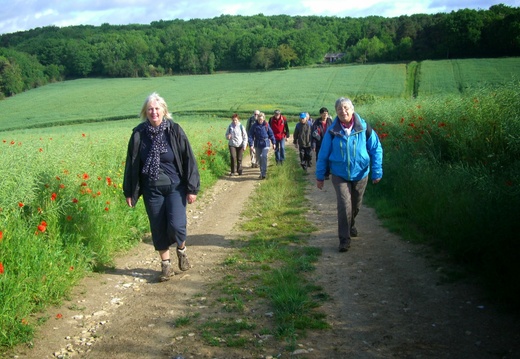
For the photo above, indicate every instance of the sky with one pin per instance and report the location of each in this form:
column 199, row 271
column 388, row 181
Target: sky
column 21, row 15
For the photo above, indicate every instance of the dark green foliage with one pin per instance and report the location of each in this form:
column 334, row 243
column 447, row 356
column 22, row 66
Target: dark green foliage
column 249, row 42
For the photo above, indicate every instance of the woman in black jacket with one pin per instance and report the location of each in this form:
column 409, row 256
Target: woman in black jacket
column 161, row 167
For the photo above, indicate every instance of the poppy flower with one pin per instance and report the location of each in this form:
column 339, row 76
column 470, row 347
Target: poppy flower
column 1, row 235
column 53, row 196
column 1, row 268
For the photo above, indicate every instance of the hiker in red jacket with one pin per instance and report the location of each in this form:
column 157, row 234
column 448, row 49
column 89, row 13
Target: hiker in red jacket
column 278, row 124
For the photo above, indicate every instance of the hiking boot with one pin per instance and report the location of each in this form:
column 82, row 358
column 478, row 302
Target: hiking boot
column 344, row 247
column 184, row 265
column 353, row 232
column 166, row 271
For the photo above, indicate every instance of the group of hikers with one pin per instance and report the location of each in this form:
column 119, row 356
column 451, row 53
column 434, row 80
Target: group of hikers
column 260, row 135
column 162, row 168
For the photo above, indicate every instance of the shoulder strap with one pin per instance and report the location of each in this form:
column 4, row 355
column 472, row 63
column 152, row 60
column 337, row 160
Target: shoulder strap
column 368, row 131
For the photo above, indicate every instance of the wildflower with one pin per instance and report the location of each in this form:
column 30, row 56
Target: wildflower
column 59, row 316
column 107, row 209
column 1, row 268
column 74, row 200
column 41, row 228
column 41, row 149
column 83, row 135
column 442, row 124
column 98, row 193
column 62, row 185
column 69, row 218
column 53, row 196
column 1, row 235
column 85, row 176
column 71, row 268
column 25, row 321
column 12, row 142
column 20, row 204
column 58, row 178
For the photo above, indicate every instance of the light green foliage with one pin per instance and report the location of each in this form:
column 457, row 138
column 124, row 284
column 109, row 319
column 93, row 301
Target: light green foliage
column 63, row 213
column 451, row 168
column 460, row 75
column 291, row 91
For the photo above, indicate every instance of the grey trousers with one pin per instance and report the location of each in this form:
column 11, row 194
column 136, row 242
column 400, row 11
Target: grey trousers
column 349, row 195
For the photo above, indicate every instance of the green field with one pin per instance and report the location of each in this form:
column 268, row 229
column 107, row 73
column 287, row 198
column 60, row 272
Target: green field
column 451, row 165
column 456, row 76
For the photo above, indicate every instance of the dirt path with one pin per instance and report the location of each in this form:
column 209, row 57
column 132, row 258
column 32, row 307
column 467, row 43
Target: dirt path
column 385, row 298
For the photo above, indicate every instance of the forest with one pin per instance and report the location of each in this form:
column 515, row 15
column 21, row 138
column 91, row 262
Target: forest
column 33, row 58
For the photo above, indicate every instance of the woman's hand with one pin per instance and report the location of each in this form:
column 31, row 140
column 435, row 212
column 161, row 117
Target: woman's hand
column 191, row 198
column 129, row 201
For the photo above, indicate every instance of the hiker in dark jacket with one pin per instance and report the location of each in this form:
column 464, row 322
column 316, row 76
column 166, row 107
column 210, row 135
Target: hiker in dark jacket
column 351, row 152
column 259, row 137
column 160, row 166
column 319, row 129
column 303, row 141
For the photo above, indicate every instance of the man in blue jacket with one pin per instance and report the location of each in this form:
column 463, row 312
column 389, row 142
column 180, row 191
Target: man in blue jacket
column 350, row 150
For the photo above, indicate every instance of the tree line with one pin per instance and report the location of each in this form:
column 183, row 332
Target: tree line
column 35, row 57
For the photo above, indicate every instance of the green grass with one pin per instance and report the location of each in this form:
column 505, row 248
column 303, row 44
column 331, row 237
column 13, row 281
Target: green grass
column 451, row 175
column 292, row 91
column 62, row 211
column 272, row 270
column 457, row 76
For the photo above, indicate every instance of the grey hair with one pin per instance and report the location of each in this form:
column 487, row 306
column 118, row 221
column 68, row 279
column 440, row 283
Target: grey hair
column 155, row 96
column 343, row 100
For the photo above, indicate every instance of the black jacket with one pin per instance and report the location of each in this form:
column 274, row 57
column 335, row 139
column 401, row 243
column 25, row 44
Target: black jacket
column 183, row 156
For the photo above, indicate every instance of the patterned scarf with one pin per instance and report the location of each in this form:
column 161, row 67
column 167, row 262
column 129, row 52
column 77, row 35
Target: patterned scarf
column 151, row 166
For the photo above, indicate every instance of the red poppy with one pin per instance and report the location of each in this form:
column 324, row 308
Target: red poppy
column 59, row 316
column 85, row 176
column 74, row 200
column 62, row 185
column 20, row 204
column 42, row 228
column 1, row 268
column 107, row 209
column 41, row 150
column 53, row 196
column 1, row 235
column 69, row 218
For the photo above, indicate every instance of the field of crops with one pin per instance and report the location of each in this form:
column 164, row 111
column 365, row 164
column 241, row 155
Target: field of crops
column 451, row 166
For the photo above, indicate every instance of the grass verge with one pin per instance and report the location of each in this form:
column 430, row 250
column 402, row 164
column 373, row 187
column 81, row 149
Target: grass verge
column 267, row 292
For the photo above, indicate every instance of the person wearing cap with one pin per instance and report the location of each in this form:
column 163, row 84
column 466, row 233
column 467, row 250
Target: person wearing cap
column 278, row 124
column 302, row 139
column 352, row 151
column 252, row 153
column 319, row 129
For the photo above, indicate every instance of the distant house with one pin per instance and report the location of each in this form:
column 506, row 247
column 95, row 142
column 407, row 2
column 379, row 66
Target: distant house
column 333, row 57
